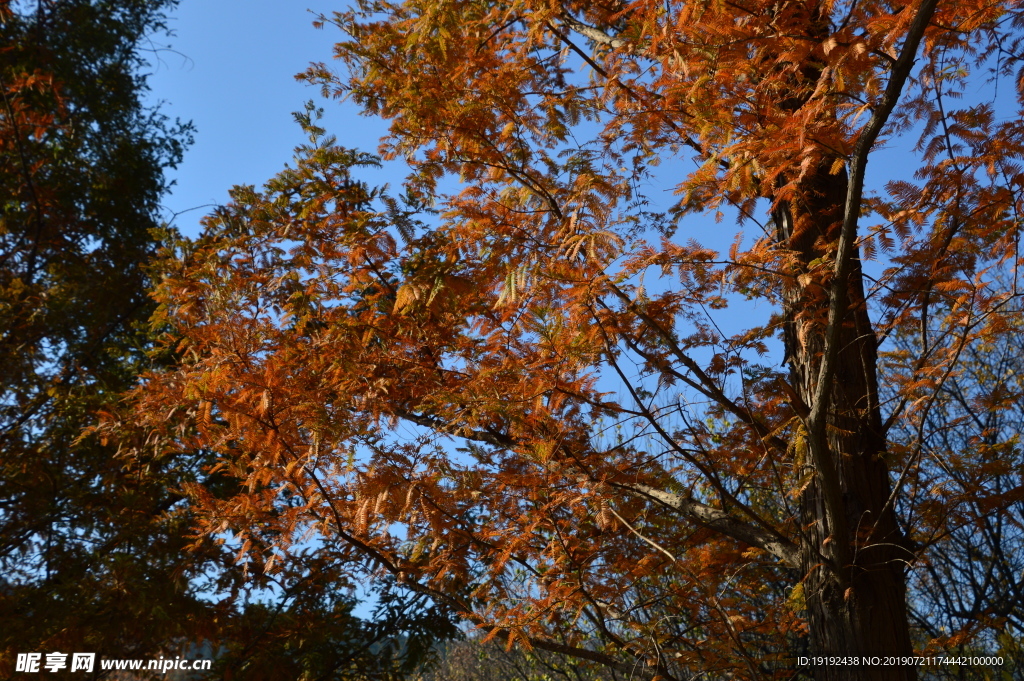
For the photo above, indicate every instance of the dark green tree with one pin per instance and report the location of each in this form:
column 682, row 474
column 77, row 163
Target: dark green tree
column 90, row 550
column 96, row 546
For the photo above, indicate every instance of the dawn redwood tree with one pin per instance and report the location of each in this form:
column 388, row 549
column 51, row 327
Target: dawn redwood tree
column 526, row 387
column 970, row 574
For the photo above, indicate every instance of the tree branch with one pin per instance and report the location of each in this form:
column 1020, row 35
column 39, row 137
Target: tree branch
column 826, row 465
column 595, row 34
column 707, row 386
column 718, row 520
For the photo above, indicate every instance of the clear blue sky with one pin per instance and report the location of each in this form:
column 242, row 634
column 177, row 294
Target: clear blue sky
column 230, row 70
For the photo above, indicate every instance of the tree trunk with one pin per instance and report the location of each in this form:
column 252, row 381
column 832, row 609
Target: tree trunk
column 856, row 599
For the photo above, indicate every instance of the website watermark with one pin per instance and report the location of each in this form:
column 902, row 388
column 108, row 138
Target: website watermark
column 35, row 663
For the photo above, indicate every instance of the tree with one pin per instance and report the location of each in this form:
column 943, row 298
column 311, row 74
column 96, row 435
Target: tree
column 523, row 392
column 313, row 633
column 93, row 544
column 968, row 584
column 473, row 660
column 81, row 167
column 91, row 560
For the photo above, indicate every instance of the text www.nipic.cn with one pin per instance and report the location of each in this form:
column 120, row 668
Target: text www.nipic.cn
column 85, row 662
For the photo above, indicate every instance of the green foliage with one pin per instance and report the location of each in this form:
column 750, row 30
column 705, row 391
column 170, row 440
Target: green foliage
column 97, row 552
column 90, row 548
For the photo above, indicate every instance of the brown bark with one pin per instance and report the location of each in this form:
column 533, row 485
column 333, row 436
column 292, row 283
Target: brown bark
column 852, row 552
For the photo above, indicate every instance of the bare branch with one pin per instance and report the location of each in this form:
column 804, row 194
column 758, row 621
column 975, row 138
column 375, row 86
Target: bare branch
column 720, row 521
column 595, row 34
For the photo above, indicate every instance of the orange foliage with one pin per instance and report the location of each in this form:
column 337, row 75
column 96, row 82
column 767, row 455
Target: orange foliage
column 529, row 405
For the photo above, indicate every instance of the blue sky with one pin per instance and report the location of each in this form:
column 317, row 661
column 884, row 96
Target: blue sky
column 230, row 70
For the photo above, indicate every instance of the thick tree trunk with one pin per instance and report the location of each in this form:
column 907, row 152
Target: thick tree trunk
column 854, row 577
